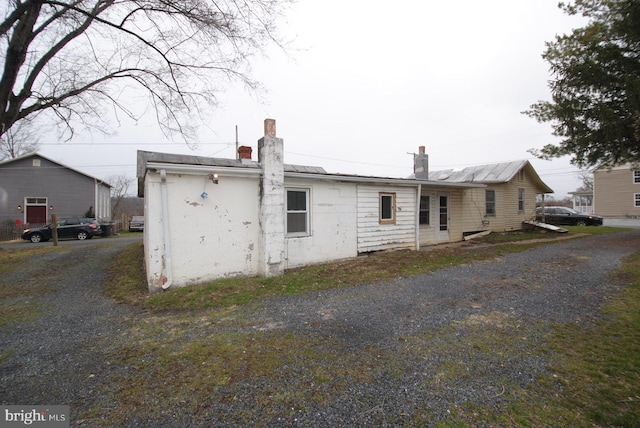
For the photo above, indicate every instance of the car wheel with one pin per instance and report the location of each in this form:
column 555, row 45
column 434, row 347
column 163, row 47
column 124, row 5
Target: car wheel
column 82, row 235
column 35, row 238
column 580, row 223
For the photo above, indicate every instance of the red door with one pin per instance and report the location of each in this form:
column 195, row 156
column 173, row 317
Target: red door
column 36, row 214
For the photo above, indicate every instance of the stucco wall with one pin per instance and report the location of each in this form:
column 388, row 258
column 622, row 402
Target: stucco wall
column 210, row 238
column 333, row 221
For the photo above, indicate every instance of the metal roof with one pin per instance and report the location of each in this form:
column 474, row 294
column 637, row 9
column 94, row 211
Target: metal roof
column 493, row 173
column 489, row 174
column 189, row 162
column 176, row 159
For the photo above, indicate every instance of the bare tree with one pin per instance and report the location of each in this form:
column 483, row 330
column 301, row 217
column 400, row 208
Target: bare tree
column 72, row 60
column 119, row 188
column 586, row 178
column 20, row 139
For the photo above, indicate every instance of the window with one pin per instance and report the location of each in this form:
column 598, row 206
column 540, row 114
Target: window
column 520, row 200
column 37, row 201
column 521, row 175
column 636, row 177
column 636, row 200
column 490, row 200
column 425, row 213
column 298, row 212
column 387, row 208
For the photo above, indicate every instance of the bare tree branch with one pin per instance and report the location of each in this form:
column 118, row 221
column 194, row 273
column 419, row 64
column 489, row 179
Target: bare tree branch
column 72, row 58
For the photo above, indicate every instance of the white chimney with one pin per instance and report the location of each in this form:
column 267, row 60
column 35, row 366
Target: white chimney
column 421, row 164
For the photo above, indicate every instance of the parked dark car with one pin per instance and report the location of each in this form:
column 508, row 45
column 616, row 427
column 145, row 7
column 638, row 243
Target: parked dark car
column 69, row 228
column 136, row 224
column 567, row 217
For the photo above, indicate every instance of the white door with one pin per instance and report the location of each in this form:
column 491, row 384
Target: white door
column 443, row 217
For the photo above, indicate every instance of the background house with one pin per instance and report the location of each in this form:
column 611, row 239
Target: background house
column 33, row 187
column 508, row 199
column 616, row 191
column 583, row 201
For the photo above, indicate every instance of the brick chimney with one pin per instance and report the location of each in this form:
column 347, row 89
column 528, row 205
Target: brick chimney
column 421, row 164
column 244, row 152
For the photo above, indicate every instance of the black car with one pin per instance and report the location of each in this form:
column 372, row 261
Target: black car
column 567, row 217
column 75, row 228
column 136, row 224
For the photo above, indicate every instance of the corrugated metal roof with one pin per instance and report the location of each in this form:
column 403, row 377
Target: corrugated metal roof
column 490, row 174
column 493, row 173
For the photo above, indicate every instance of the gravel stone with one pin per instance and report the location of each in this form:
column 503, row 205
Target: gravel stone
column 59, row 358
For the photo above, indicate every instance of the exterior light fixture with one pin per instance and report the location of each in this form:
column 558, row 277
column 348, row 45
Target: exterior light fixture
column 19, row 207
column 51, row 207
column 213, row 178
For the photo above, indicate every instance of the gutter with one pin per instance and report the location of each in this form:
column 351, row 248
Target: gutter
column 167, row 280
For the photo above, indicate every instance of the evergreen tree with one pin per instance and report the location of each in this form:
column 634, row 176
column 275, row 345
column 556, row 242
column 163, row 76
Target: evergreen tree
column 595, row 89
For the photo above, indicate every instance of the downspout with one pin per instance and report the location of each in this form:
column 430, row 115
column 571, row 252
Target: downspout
column 168, row 278
column 418, row 217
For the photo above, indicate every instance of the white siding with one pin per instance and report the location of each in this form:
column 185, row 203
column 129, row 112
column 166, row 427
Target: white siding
column 373, row 236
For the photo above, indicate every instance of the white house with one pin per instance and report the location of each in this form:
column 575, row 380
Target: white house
column 208, row 218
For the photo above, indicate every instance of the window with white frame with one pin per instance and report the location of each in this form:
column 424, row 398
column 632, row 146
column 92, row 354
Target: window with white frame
column 636, row 200
column 425, row 209
column 387, row 208
column 521, row 200
column 636, row 176
column 490, row 202
column 297, row 212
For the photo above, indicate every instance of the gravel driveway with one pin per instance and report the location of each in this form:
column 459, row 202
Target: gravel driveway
column 59, row 357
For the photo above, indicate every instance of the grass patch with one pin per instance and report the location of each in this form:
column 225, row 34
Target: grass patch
column 128, row 284
column 12, row 260
column 595, row 377
column 193, row 375
column 16, row 303
column 128, row 280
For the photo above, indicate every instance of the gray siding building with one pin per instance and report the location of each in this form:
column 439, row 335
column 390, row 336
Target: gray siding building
column 33, row 187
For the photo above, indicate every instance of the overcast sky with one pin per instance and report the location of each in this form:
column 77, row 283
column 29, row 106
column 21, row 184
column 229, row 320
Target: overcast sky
column 367, row 82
